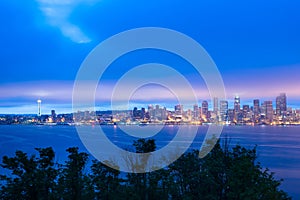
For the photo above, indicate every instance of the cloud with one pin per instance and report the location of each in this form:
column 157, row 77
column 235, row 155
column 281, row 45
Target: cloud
column 264, row 82
column 58, row 12
column 52, row 90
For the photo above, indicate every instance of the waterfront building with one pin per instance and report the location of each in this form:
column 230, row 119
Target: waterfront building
column 237, row 104
column 195, row 112
column 237, row 109
column 205, row 109
column 246, row 110
column 216, row 105
column 230, row 115
column 256, row 110
column 269, row 111
column 53, row 115
column 151, row 112
column 178, row 109
column 224, row 110
column 281, row 106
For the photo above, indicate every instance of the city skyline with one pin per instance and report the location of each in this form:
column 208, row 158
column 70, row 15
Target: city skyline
column 219, row 112
column 255, row 46
column 213, row 104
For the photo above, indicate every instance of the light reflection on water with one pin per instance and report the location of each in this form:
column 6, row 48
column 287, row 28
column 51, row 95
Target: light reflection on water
column 278, row 148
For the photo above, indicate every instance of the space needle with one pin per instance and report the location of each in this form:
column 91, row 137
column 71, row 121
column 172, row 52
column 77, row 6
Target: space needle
column 39, row 101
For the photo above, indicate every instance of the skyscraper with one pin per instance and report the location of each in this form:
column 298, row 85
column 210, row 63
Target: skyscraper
column 256, row 109
column 135, row 113
column 256, row 106
column 230, row 115
column 237, row 108
column 237, row 104
column 269, row 110
column 53, row 114
column 205, row 108
column 178, row 109
column 157, row 113
column 164, row 113
column 281, row 106
column 151, row 111
column 224, row 110
column 143, row 113
column 246, row 110
column 216, row 105
column 195, row 112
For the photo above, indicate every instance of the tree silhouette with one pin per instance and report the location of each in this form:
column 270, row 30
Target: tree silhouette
column 225, row 173
column 73, row 183
column 32, row 177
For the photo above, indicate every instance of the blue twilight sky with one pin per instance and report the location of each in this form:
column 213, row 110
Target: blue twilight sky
column 255, row 44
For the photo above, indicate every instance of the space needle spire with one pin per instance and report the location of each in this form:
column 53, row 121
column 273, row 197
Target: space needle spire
column 39, row 101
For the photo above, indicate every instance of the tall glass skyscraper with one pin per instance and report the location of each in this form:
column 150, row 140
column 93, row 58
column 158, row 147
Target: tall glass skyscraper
column 281, row 106
column 256, row 109
column 205, row 108
column 224, row 110
column 237, row 108
column 216, row 105
column 237, row 104
column 178, row 109
column 269, row 110
column 195, row 112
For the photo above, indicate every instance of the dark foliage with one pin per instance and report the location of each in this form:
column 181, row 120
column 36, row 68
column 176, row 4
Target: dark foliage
column 223, row 174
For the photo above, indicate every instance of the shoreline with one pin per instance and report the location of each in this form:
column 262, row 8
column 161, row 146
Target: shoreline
column 150, row 124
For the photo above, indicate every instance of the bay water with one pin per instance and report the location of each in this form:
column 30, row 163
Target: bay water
column 278, row 148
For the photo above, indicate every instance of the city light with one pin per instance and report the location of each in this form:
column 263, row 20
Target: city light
column 258, row 113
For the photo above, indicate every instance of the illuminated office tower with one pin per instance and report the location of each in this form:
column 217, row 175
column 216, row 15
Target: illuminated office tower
column 281, row 107
column 246, row 109
column 39, row 107
column 151, row 111
column 205, row 108
column 269, row 110
column 224, row 110
column 237, row 104
column 237, row 108
column 195, row 112
column 157, row 112
column 164, row 113
column 263, row 109
column 230, row 115
column 136, row 114
column 143, row 113
column 216, row 105
column 178, row 109
column 256, row 109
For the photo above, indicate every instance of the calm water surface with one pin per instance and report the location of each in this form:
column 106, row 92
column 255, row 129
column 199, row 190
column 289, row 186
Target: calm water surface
column 278, row 148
